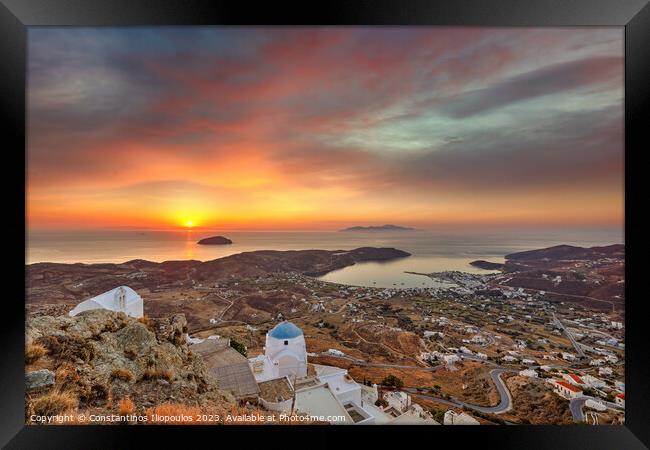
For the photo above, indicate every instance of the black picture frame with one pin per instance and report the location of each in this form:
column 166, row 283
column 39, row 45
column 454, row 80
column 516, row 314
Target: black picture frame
column 17, row 15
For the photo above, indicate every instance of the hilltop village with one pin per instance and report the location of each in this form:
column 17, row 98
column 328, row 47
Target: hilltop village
column 515, row 346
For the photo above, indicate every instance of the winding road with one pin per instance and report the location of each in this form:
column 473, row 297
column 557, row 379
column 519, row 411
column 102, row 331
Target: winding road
column 577, row 404
column 505, row 404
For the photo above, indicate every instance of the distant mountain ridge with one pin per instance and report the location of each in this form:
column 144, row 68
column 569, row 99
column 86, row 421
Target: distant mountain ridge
column 569, row 252
column 593, row 276
column 554, row 254
column 387, row 227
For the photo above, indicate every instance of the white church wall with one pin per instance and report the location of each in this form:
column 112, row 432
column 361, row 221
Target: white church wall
column 121, row 299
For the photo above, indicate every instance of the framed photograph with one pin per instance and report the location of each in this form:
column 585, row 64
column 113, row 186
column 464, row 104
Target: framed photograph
column 415, row 216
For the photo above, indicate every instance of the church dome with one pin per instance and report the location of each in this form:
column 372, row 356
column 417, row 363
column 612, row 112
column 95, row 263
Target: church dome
column 285, row 330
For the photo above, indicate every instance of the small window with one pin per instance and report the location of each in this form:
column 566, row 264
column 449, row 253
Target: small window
column 286, row 342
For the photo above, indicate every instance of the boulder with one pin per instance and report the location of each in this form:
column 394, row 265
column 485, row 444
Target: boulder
column 39, row 379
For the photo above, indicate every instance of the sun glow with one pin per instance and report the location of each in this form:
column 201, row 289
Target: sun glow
column 189, row 223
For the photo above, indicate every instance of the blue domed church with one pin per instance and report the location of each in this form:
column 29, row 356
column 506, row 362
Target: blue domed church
column 285, row 347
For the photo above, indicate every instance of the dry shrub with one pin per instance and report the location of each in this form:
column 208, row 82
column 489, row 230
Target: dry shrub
column 126, row 406
column 53, row 403
column 122, row 374
column 95, row 395
column 157, row 374
column 147, row 322
column 68, row 348
column 149, row 374
column 66, row 375
column 34, row 352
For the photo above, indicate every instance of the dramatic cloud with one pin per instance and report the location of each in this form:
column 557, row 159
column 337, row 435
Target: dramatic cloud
column 555, row 79
column 304, row 127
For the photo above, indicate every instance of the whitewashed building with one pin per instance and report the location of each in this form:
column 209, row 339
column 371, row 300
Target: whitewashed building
column 528, row 373
column 450, row 359
column 398, row 400
column 121, row 299
column 286, row 348
column 620, row 400
column 565, row 389
column 605, row 371
column 321, row 391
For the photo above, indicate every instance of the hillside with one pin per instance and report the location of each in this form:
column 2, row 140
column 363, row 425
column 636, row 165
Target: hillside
column 593, row 276
column 569, row 252
column 94, row 362
column 180, row 286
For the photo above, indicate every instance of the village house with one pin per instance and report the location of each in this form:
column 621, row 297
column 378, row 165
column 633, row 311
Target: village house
column 450, row 359
column 605, row 371
column 568, row 356
column 565, row 390
column 415, row 415
column 574, row 379
column 528, row 373
column 593, row 382
column 616, row 325
column 400, row 401
column 620, row 400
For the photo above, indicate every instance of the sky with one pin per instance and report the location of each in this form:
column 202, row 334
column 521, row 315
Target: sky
column 319, row 128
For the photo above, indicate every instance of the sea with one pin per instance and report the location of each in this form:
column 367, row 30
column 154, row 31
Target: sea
column 432, row 250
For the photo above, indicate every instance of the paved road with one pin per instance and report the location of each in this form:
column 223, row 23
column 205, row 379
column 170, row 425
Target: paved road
column 505, row 404
column 577, row 404
column 414, row 392
column 569, row 335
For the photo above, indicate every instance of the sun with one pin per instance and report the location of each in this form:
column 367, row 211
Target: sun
column 189, row 223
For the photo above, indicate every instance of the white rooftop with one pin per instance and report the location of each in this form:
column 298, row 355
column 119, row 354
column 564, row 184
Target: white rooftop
column 320, row 401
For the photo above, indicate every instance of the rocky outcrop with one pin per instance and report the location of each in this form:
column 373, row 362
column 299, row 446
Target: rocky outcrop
column 102, row 356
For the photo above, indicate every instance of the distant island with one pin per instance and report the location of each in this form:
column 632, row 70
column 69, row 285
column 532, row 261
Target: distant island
column 486, row 265
column 215, row 240
column 386, row 227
